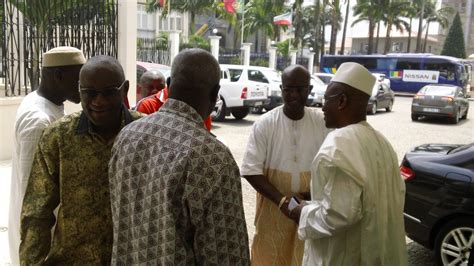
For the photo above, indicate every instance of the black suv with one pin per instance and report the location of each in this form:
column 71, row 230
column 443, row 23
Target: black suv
column 439, row 203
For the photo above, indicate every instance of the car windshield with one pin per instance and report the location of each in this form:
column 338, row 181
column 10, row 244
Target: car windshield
column 462, row 148
column 273, row 75
column 375, row 89
column 438, row 90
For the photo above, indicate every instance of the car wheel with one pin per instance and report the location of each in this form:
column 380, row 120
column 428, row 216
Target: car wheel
column 389, row 107
column 373, row 110
column 240, row 113
column 456, row 118
column 465, row 115
column 218, row 114
column 257, row 110
column 414, row 117
column 454, row 242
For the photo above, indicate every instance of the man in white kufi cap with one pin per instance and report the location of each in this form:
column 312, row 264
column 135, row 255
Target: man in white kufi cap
column 40, row 108
column 355, row 216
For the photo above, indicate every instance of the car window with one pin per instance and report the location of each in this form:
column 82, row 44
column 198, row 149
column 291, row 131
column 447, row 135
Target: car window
column 235, row 74
column 223, row 74
column 273, row 75
column 462, row 148
column 255, row 75
column 438, row 90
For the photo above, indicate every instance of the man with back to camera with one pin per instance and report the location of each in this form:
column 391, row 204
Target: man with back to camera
column 38, row 110
column 277, row 163
column 70, row 173
column 175, row 189
column 356, row 213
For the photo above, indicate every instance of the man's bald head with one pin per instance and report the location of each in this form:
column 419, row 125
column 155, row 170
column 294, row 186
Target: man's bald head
column 195, row 76
column 151, row 82
column 104, row 63
column 295, row 71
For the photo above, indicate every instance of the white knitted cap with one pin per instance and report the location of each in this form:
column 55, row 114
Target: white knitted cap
column 356, row 76
column 63, row 56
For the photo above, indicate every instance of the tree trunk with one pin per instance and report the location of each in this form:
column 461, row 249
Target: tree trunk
column 420, row 27
column 370, row 47
column 426, row 36
column 377, row 39
column 387, row 39
column 191, row 31
column 317, row 30
column 332, row 46
column 409, row 36
column 345, row 27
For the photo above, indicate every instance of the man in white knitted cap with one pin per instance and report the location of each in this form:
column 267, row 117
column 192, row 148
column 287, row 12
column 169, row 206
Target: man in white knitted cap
column 355, row 216
column 40, row 108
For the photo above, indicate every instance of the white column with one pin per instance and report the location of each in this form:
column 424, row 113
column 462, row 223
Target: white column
column 467, row 21
column 310, row 62
column 246, row 49
column 272, row 57
column 127, row 44
column 293, row 56
column 215, row 46
column 174, row 44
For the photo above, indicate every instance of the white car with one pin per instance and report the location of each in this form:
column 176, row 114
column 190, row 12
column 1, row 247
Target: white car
column 325, row 77
column 242, row 88
column 316, row 95
column 382, row 78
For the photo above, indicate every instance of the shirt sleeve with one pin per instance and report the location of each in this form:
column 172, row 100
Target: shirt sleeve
column 256, row 150
column 41, row 198
column 337, row 208
column 216, row 212
column 28, row 138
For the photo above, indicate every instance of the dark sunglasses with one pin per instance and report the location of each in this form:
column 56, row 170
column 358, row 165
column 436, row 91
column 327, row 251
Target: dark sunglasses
column 109, row 92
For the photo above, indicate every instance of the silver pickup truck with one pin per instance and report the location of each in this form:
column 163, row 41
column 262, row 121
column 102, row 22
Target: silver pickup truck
column 240, row 90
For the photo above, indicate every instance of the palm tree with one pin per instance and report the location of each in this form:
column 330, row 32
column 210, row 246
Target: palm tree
column 367, row 10
column 346, row 18
column 392, row 17
column 420, row 25
column 441, row 16
column 297, row 22
column 410, row 12
column 336, row 19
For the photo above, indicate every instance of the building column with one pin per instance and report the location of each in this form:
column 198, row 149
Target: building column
column 174, row 44
column 293, row 56
column 272, row 57
column 246, row 50
column 127, row 44
column 310, row 62
column 215, row 46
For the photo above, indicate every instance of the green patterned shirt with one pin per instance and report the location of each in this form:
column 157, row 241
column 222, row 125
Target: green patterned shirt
column 70, row 173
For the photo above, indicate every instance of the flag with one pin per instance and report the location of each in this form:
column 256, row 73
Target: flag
column 283, row 19
column 162, row 3
column 229, row 6
column 395, row 74
column 233, row 6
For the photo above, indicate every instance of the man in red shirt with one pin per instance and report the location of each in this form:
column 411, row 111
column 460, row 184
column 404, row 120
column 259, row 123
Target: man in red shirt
column 154, row 102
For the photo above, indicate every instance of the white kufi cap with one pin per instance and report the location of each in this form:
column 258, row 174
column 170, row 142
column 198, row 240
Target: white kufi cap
column 356, row 76
column 63, row 56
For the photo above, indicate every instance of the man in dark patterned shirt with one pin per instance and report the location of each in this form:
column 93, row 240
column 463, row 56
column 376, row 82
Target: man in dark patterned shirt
column 70, row 173
column 175, row 189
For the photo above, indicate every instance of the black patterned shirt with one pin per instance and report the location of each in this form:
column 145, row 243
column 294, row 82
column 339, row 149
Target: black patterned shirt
column 176, row 193
column 69, row 172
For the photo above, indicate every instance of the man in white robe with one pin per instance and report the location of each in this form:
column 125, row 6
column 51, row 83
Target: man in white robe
column 356, row 213
column 277, row 164
column 39, row 109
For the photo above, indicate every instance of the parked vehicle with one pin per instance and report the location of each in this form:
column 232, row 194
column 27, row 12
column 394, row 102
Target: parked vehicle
column 382, row 97
column 440, row 101
column 325, row 77
column 439, row 202
column 316, row 95
column 242, row 88
column 143, row 67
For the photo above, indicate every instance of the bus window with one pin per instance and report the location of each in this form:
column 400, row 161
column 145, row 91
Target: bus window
column 386, row 63
column 408, row 63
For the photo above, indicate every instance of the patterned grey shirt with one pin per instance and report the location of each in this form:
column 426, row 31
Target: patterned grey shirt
column 176, row 193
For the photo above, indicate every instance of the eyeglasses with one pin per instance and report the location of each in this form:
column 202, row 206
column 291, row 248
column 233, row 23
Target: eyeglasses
column 329, row 97
column 106, row 92
column 298, row 88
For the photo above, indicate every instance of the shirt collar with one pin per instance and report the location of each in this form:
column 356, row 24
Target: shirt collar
column 182, row 109
column 84, row 122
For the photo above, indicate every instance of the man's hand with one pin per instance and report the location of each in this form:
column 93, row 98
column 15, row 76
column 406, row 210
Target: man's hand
column 284, row 207
column 296, row 212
